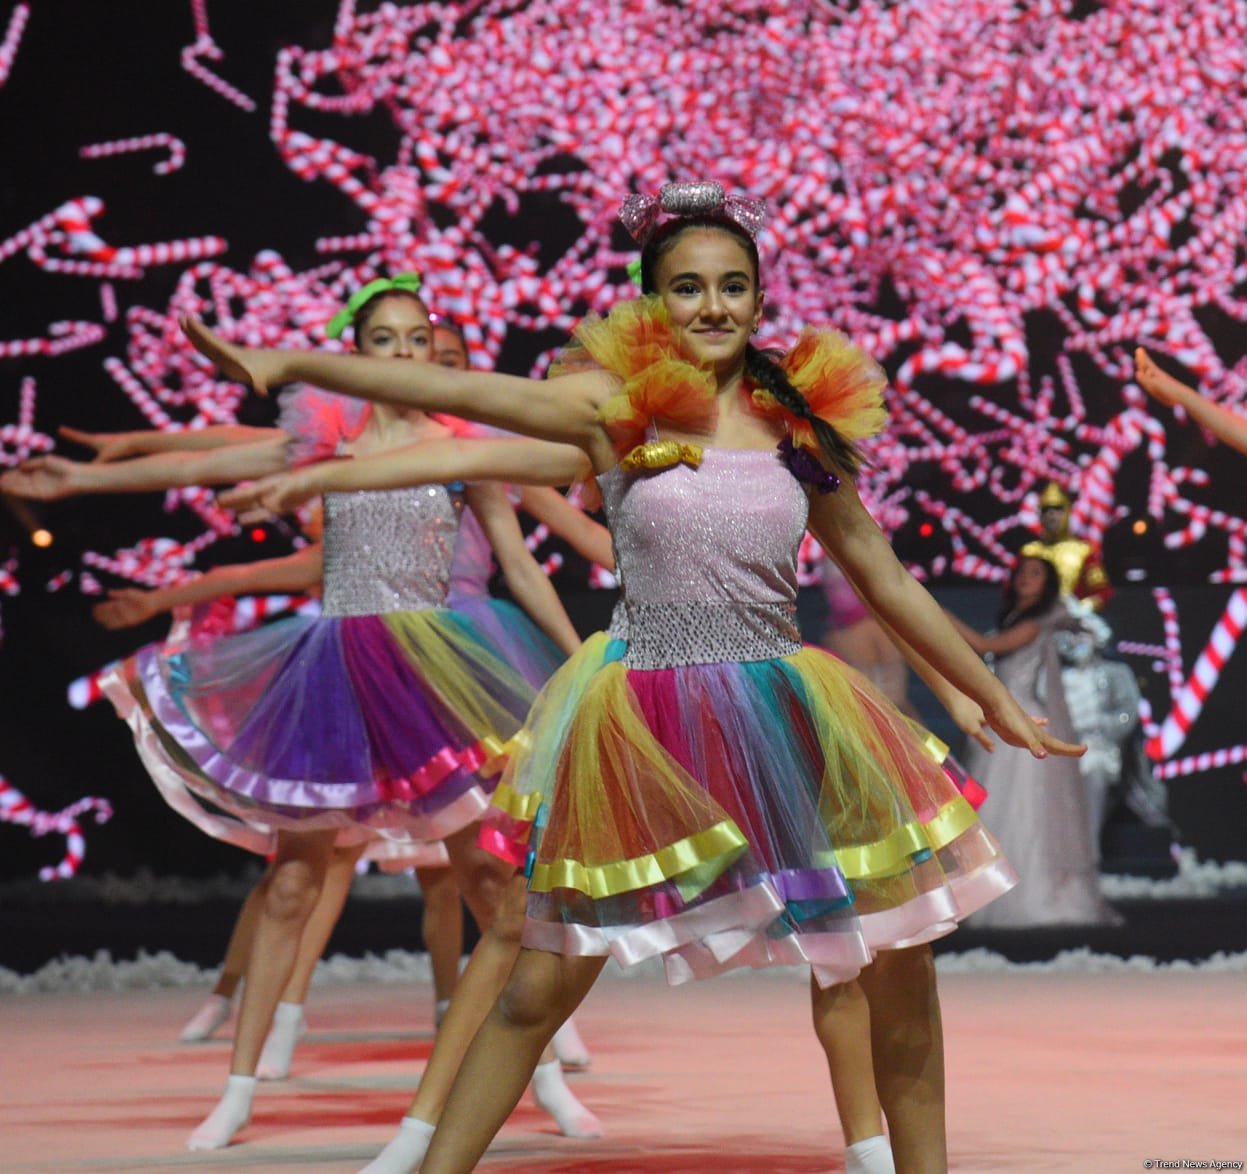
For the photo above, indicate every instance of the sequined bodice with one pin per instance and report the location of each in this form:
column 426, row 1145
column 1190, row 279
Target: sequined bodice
column 388, row 550
column 708, row 557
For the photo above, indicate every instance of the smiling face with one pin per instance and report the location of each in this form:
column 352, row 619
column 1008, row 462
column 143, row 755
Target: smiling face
column 395, row 326
column 709, row 285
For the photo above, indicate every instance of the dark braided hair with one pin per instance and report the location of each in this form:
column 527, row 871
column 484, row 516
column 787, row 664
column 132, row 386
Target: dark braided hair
column 760, row 367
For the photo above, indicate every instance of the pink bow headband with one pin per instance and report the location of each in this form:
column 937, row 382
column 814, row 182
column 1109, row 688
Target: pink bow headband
column 641, row 214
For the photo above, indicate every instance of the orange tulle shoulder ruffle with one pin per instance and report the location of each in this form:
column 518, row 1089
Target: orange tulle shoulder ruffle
column 843, row 385
column 637, row 342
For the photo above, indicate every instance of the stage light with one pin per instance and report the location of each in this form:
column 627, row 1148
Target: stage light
column 1139, row 527
column 41, row 537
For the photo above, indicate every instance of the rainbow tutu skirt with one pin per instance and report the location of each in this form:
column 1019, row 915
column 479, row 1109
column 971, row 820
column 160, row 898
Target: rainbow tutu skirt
column 390, row 725
column 735, row 814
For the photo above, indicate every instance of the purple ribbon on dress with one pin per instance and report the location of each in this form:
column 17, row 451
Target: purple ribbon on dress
column 807, row 468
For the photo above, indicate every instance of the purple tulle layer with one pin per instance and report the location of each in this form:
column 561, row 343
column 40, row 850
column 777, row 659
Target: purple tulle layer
column 381, row 721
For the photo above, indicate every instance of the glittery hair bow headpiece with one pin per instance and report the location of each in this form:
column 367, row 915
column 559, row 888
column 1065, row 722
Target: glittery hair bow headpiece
column 641, row 214
column 400, row 283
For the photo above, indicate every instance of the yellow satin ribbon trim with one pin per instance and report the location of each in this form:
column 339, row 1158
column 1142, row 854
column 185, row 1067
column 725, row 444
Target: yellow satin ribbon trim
column 510, row 802
column 934, row 748
column 890, row 856
column 608, row 880
column 661, row 454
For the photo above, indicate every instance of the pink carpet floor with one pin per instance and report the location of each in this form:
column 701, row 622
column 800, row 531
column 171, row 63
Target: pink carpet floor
column 1046, row 1071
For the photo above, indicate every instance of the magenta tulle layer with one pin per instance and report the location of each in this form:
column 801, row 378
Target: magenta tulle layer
column 734, row 814
column 394, row 723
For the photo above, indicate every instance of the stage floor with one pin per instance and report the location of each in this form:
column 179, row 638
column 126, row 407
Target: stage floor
column 1047, row 1071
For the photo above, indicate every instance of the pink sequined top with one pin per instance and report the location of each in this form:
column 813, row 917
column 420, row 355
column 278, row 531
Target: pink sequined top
column 708, row 558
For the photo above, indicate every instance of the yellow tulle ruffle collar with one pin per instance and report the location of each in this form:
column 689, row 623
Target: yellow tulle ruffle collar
column 661, row 381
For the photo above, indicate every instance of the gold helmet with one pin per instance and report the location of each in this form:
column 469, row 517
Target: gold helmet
column 1054, row 495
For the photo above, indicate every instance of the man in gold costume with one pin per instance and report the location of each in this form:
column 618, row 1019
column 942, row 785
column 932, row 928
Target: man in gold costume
column 1077, row 561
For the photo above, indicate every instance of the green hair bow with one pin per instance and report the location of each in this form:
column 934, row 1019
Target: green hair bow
column 400, row 282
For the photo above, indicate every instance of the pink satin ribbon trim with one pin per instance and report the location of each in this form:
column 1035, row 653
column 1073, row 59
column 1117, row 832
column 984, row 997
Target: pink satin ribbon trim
column 438, row 768
column 503, row 846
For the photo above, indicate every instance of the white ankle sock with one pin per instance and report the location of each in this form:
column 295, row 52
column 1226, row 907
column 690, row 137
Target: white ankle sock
column 871, row 1155
column 278, row 1050
column 405, row 1152
column 551, row 1093
column 208, row 1020
column 570, row 1048
column 231, row 1114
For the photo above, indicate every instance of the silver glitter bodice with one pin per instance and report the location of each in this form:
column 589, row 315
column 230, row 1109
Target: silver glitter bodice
column 708, row 558
column 388, row 550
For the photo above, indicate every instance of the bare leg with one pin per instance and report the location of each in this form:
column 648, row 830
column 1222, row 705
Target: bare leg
column 442, row 929
column 238, row 951
column 319, row 928
column 205, row 1023
column 842, row 1024
column 542, row 991
column 291, row 890
column 478, row 988
column 287, row 1025
column 907, row 1039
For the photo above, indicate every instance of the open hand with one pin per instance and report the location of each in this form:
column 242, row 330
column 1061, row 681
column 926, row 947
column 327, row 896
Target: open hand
column 259, row 368
column 970, row 719
column 44, row 478
column 107, row 446
column 1157, row 383
column 277, row 493
column 126, row 607
column 1016, row 728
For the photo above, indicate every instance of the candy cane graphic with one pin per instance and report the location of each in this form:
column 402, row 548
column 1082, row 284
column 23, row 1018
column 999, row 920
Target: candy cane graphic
column 174, row 146
column 1189, row 701
column 16, row 809
column 12, row 39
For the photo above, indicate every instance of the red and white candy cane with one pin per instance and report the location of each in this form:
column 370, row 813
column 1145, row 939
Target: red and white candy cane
column 205, row 46
column 21, row 440
column 1172, row 631
column 16, row 809
column 1188, row 702
column 62, row 337
column 12, row 39
column 154, row 142
column 1201, row 763
column 85, row 691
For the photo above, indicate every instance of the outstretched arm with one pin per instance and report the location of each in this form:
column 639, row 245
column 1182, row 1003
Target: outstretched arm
column 840, row 522
column 526, row 580
column 430, row 462
column 589, row 539
column 998, row 643
column 50, row 478
column 1228, row 427
column 563, row 409
column 130, row 606
column 119, row 446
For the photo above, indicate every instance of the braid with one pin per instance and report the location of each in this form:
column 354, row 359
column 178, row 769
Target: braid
column 770, row 376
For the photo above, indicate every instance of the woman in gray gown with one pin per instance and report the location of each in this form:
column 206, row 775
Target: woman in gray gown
column 1037, row 809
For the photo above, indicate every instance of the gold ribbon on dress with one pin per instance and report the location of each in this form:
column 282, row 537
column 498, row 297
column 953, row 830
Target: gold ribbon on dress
column 661, row 454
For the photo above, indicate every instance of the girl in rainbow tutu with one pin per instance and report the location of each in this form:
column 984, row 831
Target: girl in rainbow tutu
column 706, row 790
